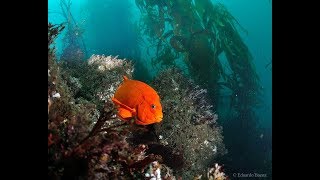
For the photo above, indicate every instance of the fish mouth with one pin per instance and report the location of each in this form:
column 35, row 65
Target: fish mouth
column 159, row 118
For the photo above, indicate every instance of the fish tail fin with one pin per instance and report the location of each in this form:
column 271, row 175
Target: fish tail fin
column 125, row 78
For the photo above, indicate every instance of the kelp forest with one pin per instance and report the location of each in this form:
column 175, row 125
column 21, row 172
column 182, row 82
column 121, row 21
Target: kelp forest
column 192, row 48
column 206, row 38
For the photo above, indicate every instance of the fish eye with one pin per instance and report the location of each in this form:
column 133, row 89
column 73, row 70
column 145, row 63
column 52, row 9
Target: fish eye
column 153, row 106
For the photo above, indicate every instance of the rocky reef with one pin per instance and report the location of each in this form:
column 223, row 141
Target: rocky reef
column 86, row 140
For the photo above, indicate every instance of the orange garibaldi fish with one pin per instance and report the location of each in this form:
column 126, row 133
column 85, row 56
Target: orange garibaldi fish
column 138, row 100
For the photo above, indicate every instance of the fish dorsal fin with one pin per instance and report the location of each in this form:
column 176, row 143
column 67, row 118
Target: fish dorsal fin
column 125, row 78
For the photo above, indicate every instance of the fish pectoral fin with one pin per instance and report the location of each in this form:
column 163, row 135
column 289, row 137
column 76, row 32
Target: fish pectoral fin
column 132, row 110
column 124, row 114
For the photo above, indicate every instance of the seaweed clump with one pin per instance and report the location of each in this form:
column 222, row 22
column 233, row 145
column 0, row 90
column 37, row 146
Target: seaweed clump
column 190, row 124
column 96, row 79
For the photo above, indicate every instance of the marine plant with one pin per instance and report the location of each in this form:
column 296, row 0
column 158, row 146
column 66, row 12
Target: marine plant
column 201, row 33
column 53, row 31
column 203, row 39
column 74, row 46
column 190, row 124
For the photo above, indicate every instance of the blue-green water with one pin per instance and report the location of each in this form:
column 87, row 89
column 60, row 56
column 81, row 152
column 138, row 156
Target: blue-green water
column 107, row 27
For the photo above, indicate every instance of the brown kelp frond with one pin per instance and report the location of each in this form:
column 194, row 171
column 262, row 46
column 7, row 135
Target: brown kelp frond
column 53, row 32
